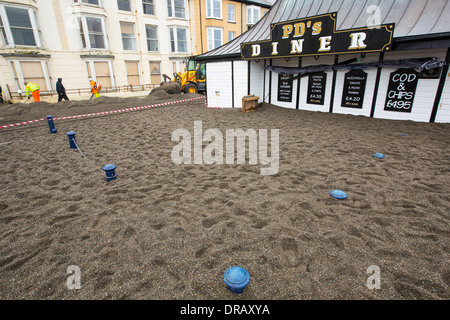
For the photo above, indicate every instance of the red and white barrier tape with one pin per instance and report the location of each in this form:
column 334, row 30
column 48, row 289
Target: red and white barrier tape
column 103, row 113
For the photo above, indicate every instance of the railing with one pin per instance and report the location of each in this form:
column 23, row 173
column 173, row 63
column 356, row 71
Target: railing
column 51, row 93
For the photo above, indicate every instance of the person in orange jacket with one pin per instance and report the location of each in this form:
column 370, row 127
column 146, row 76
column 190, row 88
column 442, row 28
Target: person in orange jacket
column 95, row 89
column 32, row 88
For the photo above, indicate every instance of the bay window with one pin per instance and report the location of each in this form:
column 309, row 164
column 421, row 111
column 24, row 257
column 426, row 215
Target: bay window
column 214, row 9
column 19, row 27
column 176, row 8
column 93, row 34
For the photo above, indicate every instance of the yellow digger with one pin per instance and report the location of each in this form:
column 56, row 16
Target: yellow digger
column 194, row 79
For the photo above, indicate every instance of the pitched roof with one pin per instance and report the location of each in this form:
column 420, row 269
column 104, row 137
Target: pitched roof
column 412, row 18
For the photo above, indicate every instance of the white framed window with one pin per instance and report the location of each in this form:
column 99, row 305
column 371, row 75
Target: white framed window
column 155, row 72
column 124, row 5
column 35, row 71
column 101, row 71
column 231, row 13
column 176, row 9
column 19, row 27
column 215, row 37
column 214, row 9
column 94, row 2
column 178, row 39
column 148, row 6
column 231, row 35
column 128, row 36
column 93, row 33
column 152, row 37
column 253, row 15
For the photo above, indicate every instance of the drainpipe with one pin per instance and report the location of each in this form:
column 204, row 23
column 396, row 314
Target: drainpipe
column 242, row 18
column 139, row 40
column 201, row 25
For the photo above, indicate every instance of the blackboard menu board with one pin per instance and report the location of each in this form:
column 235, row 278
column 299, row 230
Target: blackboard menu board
column 285, row 87
column 354, row 88
column 316, row 88
column 401, row 90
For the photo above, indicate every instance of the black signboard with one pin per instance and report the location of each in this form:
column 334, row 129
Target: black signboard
column 285, row 87
column 317, row 35
column 401, row 90
column 354, row 88
column 316, row 88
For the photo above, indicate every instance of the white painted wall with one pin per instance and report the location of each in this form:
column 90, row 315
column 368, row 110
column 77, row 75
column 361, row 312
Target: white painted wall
column 443, row 113
column 219, row 90
column 257, row 79
column 240, row 82
column 219, row 73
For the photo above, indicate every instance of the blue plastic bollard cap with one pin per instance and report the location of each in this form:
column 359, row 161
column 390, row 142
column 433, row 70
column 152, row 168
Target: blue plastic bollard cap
column 379, row 155
column 109, row 167
column 49, row 117
column 236, row 279
column 71, row 133
column 338, row 194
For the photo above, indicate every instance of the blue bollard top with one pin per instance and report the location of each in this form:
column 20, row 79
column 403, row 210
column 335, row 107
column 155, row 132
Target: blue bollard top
column 49, row 117
column 379, row 155
column 109, row 167
column 338, row 194
column 236, row 279
column 71, row 133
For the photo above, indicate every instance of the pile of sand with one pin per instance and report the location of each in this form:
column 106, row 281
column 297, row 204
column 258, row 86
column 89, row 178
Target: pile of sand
column 168, row 87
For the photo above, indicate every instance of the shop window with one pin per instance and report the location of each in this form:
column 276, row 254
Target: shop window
column 155, row 72
column 30, row 71
column 133, row 72
column 101, row 72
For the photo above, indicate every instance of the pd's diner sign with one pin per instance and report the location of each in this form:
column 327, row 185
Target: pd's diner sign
column 315, row 36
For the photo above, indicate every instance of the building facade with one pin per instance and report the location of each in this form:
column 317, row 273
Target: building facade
column 216, row 22
column 116, row 42
column 327, row 56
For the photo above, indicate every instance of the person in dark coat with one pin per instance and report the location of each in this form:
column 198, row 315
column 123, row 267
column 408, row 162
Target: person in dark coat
column 61, row 90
